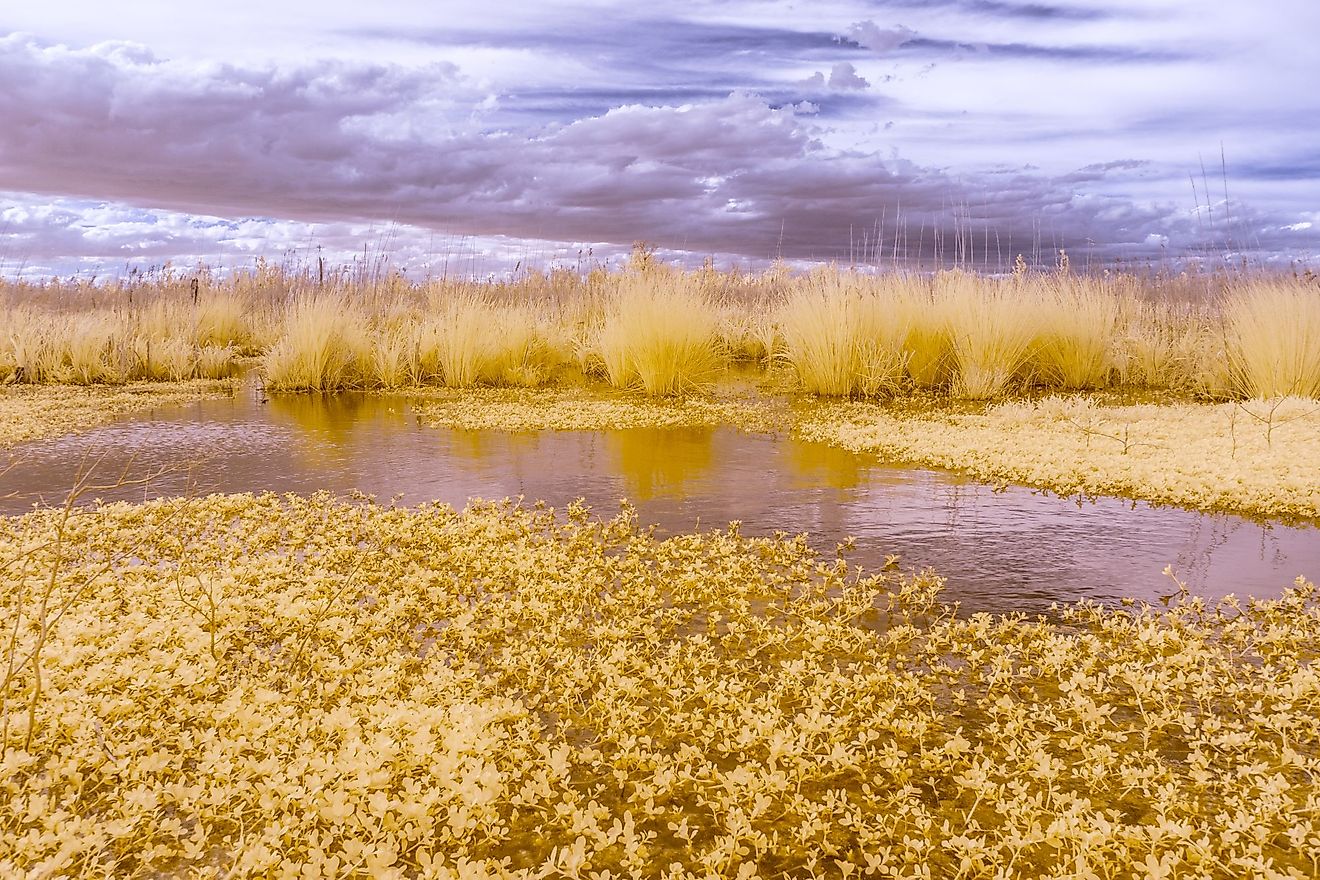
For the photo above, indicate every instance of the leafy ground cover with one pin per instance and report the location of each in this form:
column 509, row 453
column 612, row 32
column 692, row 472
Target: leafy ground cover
column 1258, row 457
column 270, row 686
column 32, row 412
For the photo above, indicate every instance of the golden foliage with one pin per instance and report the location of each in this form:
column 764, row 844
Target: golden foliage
column 246, row 686
column 669, row 332
column 35, row 412
column 1258, row 457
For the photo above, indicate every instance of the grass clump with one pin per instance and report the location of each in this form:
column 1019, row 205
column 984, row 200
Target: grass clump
column 845, row 336
column 1273, row 335
column 659, row 335
column 320, row 347
column 317, row 688
column 991, row 331
column 1076, row 336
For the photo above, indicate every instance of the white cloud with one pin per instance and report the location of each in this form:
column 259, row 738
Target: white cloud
column 879, row 39
column 844, row 76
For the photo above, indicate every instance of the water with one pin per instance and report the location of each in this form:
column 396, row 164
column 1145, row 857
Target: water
column 1016, row 549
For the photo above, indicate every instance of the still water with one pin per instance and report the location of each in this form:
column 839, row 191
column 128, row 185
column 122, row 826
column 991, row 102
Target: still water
column 1008, row 550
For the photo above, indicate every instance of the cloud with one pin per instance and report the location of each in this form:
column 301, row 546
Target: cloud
column 844, row 76
column 871, row 36
column 345, row 144
column 999, row 8
column 1018, row 51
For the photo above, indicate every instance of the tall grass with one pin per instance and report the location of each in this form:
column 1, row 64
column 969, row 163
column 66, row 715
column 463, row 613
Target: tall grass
column 320, row 348
column 665, row 331
column 1076, row 333
column 457, row 345
column 100, row 346
column 991, row 331
column 1273, row 339
column 844, row 335
column 659, row 334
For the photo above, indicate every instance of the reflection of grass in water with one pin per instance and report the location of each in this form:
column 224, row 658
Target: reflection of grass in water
column 658, row 462
column 335, row 422
column 503, row 453
column 819, row 464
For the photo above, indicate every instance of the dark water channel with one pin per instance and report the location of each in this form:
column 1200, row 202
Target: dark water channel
column 1010, row 550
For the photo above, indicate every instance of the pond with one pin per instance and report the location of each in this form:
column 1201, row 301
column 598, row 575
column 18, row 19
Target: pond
column 1013, row 549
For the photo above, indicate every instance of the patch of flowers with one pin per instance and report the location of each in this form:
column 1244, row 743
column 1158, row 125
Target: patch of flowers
column 266, row 686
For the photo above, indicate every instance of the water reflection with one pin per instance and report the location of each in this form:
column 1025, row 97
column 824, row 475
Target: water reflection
column 661, row 462
column 819, row 465
column 1015, row 549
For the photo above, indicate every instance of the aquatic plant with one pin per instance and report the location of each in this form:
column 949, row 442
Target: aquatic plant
column 1254, row 457
column 278, row 686
column 32, row 412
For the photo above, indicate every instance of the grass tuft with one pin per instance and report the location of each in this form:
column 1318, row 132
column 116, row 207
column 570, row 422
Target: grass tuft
column 1273, row 339
column 659, row 335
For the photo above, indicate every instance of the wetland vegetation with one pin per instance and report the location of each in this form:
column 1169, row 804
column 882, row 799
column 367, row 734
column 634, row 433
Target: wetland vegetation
column 265, row 685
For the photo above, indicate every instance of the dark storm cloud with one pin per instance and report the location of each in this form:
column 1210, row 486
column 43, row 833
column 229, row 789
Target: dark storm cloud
column 1030, row 51
column 352, row 142
column 1031, row 11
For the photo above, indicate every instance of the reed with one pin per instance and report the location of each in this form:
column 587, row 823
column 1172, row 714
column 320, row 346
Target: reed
column 664, row 331
column 1076, row 332
column 845, row 335
column 991, row 331
column 457, row 345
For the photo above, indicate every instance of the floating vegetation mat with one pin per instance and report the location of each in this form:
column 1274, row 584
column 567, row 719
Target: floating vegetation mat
column 34, row 412
column 242, row 686
column 580, row 409
column 1259, row 457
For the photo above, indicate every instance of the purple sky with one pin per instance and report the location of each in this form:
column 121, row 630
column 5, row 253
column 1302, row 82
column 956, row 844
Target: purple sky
column 473, row 136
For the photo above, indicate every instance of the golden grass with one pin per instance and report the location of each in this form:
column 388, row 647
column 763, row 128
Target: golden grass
column 991, row 332
column 845, row 335
column 1076, row 339
column 1273, row 335
column 320, row 346
column 319, row 689
column 659, row 334
column 667, row 332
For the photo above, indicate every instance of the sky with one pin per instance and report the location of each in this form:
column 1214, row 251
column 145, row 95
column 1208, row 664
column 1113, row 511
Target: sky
column 477, row 138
